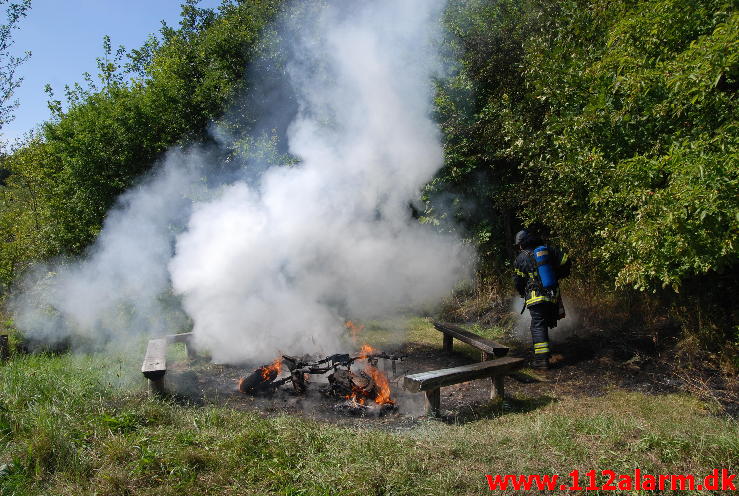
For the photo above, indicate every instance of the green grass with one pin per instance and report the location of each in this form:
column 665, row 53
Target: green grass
column 84, row 425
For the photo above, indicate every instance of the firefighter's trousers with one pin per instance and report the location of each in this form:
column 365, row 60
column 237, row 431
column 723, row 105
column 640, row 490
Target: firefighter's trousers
column 543, row 316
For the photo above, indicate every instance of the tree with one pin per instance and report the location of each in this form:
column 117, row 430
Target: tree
column 9, row 63
column 112, row 128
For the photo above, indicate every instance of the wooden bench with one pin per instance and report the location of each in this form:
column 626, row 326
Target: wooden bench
column 432, row 381
column 155, row 361
column 4, row 348
column 486, row 346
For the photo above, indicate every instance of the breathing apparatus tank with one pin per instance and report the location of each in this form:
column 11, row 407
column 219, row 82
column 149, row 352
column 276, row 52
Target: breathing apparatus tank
column 546, row 269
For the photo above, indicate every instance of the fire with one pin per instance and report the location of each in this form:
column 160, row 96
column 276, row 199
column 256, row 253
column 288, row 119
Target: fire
column 366, row 351
column 382, row 386
column 354, row 329
column 357, row 400
column 274, row 368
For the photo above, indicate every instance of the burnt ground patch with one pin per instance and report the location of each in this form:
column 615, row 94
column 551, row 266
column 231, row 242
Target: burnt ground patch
column 590, row 365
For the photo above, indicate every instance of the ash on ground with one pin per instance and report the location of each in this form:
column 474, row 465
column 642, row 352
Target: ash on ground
column 584, row 370
column 201, row 382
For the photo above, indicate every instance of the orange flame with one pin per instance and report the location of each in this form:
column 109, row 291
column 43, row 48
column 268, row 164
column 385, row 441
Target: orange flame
column 275, row 367
column 354, row 329
column 366, row 351
column 382, row 385
column 356, row 400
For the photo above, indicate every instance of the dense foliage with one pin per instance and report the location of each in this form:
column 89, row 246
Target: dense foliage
column 610, row 124
column 614, row 124
column 109, row 132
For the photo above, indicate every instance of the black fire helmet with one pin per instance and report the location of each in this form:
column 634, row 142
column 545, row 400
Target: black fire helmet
column 521, row 237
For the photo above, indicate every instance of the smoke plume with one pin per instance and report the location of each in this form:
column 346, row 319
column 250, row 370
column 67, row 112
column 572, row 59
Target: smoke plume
column 277, row 261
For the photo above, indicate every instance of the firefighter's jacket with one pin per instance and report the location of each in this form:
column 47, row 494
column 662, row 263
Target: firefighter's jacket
column 526, row 276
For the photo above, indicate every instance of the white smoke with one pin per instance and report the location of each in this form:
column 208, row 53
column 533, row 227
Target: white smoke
column 567, row 328
column 122, row 286
column 278, row 263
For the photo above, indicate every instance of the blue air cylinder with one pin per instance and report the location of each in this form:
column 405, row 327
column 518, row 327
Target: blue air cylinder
column 546, row 270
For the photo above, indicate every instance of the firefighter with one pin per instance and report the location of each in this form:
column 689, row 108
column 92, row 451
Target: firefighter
column 536, row 272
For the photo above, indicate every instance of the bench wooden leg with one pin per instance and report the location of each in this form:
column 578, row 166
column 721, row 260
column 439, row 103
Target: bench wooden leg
column 433, row 402
column 484, row 356
column 448, row 343
column 191, row 355
column 4, row 348
column 156, row 386
column 498, row 390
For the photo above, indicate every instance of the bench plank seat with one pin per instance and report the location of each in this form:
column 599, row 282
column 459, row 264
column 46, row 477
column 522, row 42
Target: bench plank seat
column 487, row 346
column 155, row 361
column 184, row 337
column 430, row 382
column 434, row 379
column 155, row 364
